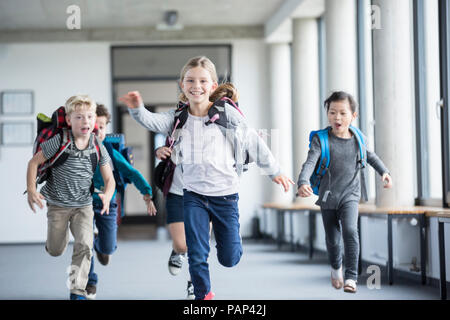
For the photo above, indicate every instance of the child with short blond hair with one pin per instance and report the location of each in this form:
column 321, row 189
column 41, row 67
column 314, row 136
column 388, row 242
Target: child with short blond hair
column 68, row 190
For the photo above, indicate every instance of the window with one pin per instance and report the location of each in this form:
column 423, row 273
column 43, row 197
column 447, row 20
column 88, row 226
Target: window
column 444, row 54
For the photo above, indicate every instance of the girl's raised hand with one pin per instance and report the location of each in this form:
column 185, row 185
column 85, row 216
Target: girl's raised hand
column 387, row 179
column 132, row 99
column 163, row 152
column 284, row 181
column 305, row 190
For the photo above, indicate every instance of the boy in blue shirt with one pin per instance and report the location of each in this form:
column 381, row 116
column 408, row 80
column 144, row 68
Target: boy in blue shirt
column 105, row 242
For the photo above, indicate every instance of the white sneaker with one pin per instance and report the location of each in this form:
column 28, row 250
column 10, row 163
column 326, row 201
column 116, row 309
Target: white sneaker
column 350, row 286
column 337, row 280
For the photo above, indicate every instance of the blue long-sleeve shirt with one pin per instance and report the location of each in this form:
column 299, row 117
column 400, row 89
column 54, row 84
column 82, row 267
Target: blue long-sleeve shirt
column 127, row 170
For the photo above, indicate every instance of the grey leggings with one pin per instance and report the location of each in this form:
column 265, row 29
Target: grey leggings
column 347, row 215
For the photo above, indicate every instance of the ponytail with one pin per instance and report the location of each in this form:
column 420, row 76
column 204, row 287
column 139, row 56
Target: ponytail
column 225, row 90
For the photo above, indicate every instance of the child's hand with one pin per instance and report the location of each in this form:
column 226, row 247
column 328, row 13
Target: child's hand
column 163, row 152
column 151, row 210
column 105, row 202
column 305, row 190
column 132, row 99
column 35, row 197
column 283, row 180
column 387, row 179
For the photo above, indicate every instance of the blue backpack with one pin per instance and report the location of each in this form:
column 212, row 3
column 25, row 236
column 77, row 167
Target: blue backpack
column 324, row 161
column 117, row 141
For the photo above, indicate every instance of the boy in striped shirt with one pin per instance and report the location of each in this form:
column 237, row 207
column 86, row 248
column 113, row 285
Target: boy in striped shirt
column 68, row 190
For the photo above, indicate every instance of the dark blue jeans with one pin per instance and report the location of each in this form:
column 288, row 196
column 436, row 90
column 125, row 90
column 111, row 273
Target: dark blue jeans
column 223, row 212
column 106, row 241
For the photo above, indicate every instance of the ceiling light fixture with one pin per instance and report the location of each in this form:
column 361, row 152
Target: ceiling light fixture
column 170, row 21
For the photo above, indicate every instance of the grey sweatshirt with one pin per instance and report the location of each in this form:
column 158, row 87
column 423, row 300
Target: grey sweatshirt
column 342, row 182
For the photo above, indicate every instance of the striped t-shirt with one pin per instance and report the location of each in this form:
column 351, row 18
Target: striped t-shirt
column 69, row 184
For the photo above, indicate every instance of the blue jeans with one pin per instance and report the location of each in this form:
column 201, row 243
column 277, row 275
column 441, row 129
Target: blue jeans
column 223, row 212
column 106, row 241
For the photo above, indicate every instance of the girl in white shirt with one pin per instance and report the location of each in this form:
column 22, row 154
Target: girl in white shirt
column 211, row 159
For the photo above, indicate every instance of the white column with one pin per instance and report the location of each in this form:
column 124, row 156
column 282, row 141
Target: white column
column 393, row 100
column 341, row 46
column 281, row 110
column 305, row 81
column 433, row 95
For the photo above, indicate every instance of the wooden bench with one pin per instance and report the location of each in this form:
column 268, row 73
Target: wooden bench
column 443, row 217
column 418, row 212
column 390, row 213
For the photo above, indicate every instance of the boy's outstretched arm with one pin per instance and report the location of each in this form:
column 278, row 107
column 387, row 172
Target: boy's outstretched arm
column 32, row 194
column 151, row 209
column 110, row 186
column 137, row 178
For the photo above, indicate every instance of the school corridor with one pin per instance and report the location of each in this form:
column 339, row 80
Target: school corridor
column 285, row 57
column 138, row 271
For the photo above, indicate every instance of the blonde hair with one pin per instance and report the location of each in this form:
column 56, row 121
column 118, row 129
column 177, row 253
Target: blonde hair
column 223, row 90
column 79, row 101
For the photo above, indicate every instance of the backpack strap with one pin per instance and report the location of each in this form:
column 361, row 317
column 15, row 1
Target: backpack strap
column 325, row 150
column 61, row 156
column 362, row 146
column 95, row 156
column 109, row 148
column 362, row 159
column 181, row 114
column 322, row 165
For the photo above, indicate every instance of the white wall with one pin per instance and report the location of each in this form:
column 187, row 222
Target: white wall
column 54, row 71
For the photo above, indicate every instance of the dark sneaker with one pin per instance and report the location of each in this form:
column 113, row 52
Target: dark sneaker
column 190, row 291
column 74, row 296
column 103, row 258
column 176, row 262
column 91, row 290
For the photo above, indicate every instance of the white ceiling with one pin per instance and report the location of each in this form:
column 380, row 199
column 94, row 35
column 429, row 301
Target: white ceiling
column 18, row 15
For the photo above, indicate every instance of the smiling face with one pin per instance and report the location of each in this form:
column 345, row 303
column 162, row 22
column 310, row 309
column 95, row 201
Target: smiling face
column 197, row 85
column 340, row 117
column 82, row 121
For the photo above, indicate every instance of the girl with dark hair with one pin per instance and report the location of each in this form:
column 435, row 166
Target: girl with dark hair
column 340, row 187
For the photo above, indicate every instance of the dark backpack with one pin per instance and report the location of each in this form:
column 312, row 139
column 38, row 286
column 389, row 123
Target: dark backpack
column 163, row 175
column 324, row 161
column 48, row 128
column 117, row 141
